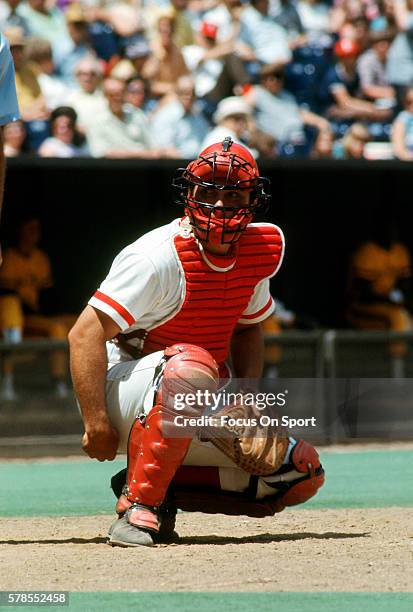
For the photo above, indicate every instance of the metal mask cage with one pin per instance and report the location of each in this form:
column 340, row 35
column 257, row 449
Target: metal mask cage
column 220, row 177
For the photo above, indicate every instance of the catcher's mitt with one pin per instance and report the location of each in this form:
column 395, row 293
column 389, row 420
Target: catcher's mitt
column 237, row 431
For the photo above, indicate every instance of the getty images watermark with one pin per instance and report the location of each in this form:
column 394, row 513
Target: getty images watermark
column 212, row 402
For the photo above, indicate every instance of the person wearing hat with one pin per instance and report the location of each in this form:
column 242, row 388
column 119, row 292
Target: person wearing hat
column 9, row 110
column 39, row 53
column 371, row 69
column 231, row 119
column 339, row 90
column 31, row 102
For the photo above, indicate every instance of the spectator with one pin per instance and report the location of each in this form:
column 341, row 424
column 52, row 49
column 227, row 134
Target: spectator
column 323, row 145
column 400, row 57
column 339, row 89
column 9, row 17
column 346, row 12
column 226, row 17
column 352, row 146
column 380, row 289
column 214, row 66
column 231, row 119
column 124, row 20
column 65, row 140
column 26, row 275
column 360, row 32
column 266, row 40
column 39, row 54
column 31, row 102
column 120, row 130
column 137, row 52
column 276, row 111
column 286, row 15
column 47, row 22
column 136, row 93
column 132, row 60
column 122, row 70
column 263, row 143
column 77, row 27
column 183, row 33
column 315, row 18
column 179, row 125
column 166, row 63
column 88, row 101
column 15, row 139
column 371, row 68
column 402, row 133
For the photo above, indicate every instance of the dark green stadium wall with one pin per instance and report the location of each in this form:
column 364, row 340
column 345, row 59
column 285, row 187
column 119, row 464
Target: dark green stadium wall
column 90, row 209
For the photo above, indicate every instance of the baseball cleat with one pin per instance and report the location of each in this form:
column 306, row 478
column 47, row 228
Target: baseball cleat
column 122, row 533
column 165, row 535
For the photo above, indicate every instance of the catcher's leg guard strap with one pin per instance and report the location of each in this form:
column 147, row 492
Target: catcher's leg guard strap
column 154, row 458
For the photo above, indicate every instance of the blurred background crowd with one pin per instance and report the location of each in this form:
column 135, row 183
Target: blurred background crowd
column 163, row 78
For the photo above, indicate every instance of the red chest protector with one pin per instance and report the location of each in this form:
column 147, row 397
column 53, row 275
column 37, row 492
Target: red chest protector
column 217, row 293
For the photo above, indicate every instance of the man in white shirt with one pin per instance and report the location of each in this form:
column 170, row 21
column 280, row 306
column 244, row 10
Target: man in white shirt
column 120, row 130
column 179, row 125
column 267, row 40
column 88, row 99
column 175, row 305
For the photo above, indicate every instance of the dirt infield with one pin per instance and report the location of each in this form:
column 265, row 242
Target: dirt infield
column 299, row 550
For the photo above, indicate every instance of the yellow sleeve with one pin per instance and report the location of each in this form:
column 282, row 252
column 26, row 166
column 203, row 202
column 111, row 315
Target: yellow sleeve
column 364, row 263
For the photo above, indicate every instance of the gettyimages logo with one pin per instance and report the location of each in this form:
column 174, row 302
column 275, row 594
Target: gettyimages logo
column 215, row 401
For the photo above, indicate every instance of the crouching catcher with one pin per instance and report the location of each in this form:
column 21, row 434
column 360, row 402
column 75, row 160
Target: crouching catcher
column 175, row 306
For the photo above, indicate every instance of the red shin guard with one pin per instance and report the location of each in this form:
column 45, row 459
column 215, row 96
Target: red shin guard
column 153, row 459
column 154, row 456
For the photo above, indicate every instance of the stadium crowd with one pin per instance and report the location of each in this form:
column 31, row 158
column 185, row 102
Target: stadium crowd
column 161, row 78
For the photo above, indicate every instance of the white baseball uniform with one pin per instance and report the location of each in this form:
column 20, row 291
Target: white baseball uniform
column 145, row 288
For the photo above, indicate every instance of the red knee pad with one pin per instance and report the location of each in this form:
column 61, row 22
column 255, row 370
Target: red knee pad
column 305, row 458
column 189, row 368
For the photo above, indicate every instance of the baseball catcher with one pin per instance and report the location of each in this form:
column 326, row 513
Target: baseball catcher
column 176, row 305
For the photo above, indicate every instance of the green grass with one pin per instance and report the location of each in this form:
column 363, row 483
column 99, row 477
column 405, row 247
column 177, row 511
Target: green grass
column 235, row 602
column 372, row 479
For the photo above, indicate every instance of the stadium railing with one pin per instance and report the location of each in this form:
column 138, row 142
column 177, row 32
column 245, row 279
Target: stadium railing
column 351, row 381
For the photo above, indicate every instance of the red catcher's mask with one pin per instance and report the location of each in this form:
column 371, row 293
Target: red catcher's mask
column 221, row 167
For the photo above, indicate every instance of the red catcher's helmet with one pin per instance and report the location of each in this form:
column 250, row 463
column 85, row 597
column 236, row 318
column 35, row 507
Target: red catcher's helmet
column 224, row 166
